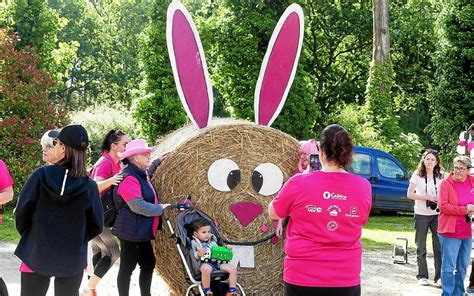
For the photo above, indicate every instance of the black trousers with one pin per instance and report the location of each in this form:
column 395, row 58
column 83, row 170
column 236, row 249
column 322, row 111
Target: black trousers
column 423, row 224
column 294, row 290
column 33, row 284
column 132, row 253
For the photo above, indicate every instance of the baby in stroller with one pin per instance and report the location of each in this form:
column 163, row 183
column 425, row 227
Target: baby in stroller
column 202, row 242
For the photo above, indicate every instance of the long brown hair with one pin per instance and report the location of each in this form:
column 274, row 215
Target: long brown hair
column 421, row 170
column 75, row 161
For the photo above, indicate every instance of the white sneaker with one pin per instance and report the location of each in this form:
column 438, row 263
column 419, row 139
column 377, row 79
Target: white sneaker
column 438, row 284
column 423, row 282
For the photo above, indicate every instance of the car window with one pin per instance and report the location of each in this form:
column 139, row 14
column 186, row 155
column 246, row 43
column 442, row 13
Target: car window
column 361, row 164
column 388, row 168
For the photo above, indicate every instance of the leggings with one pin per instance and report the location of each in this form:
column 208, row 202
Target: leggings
column 294, row 290
column 132, row 253
column 106, row 251
column 33, row 284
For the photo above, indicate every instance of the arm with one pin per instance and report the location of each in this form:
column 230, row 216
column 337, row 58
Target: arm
column 95, row 213
column 6, row 195
column 271, row 212
column 411, row 194
column 448, row 208
column 130, row 191
column 153, row 166
column 26, row 203
column 139, row 206
column 104, row 184
column 197, row 250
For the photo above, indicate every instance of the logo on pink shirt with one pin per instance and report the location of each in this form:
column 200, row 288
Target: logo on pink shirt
column 329, row 195
column 332, row 225
column 334, row 210
column 313, row 209
column 353, row 212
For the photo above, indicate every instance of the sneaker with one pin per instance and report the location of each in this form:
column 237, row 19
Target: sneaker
column 470, row 290
column 423, row 282
column 438, row 283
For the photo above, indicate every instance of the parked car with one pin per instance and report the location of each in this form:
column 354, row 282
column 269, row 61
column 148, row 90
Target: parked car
column 388, row 177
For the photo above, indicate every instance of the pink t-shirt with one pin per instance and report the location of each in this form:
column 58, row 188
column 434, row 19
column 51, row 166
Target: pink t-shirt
column 5, row 182
column 5, row 177
column 130, row 188
column 105, row 168
column 465, row 193
column 327, row 211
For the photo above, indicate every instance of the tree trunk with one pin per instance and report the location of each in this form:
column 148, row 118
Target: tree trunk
column 381, row 37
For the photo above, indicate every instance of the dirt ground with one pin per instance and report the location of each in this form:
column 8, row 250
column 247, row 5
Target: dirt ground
column 379, row 276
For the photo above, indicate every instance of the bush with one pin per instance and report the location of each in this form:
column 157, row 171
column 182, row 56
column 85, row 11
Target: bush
column 99, row 120
column 405, row 147
column 25, row 108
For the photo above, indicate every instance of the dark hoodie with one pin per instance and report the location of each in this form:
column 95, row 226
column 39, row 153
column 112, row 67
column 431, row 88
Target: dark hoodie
column 55, row 228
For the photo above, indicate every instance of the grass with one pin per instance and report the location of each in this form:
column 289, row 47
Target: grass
column 8, row 231
column 379, row 233
column 382, row 231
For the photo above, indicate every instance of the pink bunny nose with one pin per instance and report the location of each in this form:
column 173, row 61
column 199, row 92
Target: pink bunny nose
column 246, row 212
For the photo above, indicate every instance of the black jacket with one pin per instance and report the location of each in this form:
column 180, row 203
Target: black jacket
column 55, row 228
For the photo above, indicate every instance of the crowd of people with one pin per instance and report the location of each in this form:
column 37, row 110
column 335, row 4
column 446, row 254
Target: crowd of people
column 59, row 213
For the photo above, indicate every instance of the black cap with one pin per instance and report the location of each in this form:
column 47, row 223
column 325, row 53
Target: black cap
column 74, row 136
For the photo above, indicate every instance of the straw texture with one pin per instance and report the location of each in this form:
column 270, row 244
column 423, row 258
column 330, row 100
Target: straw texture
column 184, row 172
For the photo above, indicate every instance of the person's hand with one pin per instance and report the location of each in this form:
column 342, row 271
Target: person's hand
column 165, row 205
column 470, row 209
column 279, row 228
column 116, row 179
column 201, row 252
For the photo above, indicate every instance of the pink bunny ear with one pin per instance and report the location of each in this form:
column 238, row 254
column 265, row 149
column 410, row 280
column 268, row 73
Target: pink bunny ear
column 189, row 65
column 279, row 65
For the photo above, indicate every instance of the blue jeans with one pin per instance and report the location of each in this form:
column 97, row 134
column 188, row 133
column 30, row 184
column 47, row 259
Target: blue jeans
column 455, row 255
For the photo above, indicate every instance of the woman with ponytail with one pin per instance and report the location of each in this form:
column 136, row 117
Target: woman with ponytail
column 106, row 172
column 327, row 209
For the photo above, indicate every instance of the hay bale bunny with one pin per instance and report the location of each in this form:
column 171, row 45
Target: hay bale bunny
column 232, row 169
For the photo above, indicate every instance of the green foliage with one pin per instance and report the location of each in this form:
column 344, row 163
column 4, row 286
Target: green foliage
column 356, row 119
column 24, row 107
column 99, row 120
column 158, row 109
column 452, row 98
column 413, row 45
column 37, row 25
column 106, row 69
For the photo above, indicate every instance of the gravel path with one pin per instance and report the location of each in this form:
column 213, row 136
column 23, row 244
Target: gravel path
column 379, row 276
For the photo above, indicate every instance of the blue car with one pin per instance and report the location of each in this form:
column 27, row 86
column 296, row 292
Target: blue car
column 388, row 177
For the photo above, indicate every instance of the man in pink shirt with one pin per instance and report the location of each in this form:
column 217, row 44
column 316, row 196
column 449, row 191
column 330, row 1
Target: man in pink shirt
column 327, row 209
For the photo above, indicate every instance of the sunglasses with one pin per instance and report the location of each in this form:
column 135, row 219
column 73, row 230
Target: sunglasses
column 56, row 141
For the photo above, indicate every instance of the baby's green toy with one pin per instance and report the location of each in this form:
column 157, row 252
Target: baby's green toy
column 221, row 254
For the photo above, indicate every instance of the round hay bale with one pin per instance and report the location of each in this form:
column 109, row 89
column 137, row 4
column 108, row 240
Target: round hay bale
column 185, row 171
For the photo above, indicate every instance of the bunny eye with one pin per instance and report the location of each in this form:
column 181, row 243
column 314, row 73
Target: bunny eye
column 267, row 179
column 223, row 175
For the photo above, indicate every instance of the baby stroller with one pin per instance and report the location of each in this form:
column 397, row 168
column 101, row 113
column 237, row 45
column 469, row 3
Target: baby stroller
column 182, row 238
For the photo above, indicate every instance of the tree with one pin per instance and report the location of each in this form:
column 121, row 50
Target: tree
column 158, row 109
column 25, row 111
column 452, row 97
column 106, row 70
column 412, row 53
column 37, row 26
